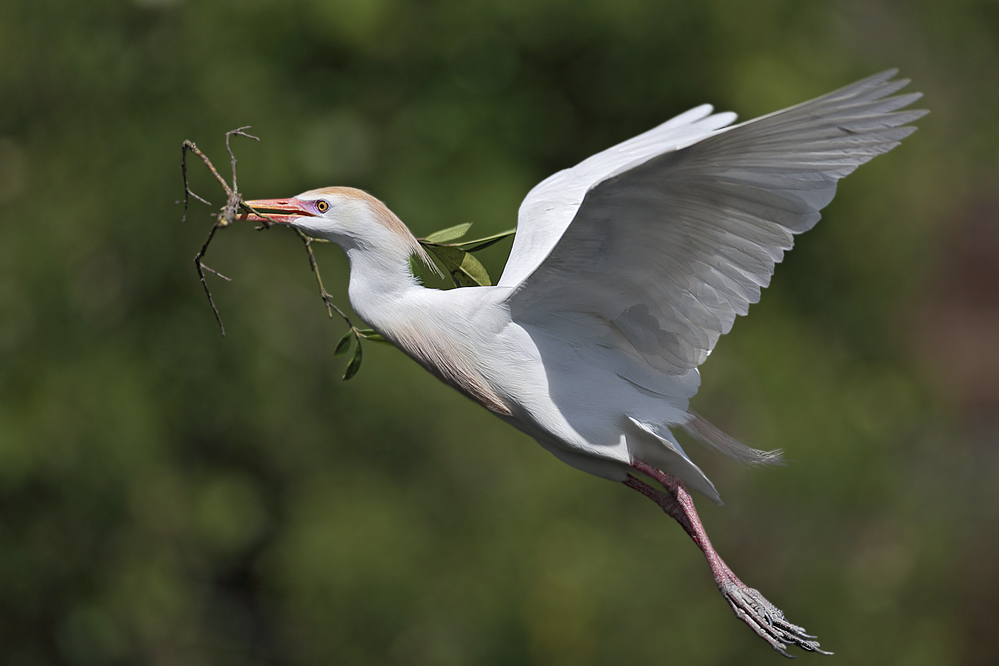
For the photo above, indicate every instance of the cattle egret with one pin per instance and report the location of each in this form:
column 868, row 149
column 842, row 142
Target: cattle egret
column 624, row 271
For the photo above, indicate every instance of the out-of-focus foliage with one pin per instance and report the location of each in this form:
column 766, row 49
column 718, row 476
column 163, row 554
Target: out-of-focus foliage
column 168, row 496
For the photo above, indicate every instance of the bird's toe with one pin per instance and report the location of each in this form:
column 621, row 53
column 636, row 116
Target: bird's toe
column 767, row 620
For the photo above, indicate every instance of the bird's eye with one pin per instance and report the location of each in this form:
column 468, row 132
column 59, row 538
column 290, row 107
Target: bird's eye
column 322, row 205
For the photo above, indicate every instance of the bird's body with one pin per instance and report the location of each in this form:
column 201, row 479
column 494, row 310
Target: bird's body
column 624, row 272
column 542, row 386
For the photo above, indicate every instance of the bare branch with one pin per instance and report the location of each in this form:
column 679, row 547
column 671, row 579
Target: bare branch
column 200, row 265
column 188, row 193
column 189, row 145
column 232, row 156
column 233, row 203
column 230, row 213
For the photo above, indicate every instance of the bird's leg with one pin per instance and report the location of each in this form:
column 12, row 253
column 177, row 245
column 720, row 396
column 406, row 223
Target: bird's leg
column 749, row 605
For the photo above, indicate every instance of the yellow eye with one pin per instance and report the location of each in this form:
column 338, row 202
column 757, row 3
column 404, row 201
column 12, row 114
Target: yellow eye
column 322, row 206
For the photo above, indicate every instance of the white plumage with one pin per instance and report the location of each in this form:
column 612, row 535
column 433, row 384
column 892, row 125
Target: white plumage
column 624, row 272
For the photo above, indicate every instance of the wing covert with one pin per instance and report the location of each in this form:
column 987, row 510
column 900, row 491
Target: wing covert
column 550, row 206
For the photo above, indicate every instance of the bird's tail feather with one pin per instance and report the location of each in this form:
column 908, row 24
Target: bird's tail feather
column 655, row 445
column 703, row 431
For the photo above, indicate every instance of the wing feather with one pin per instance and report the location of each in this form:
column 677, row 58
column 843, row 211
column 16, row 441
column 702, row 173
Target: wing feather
column 665, row 238
column 550, row 206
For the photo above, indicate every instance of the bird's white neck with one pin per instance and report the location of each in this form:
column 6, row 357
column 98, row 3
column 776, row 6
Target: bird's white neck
column 387, row 296
column 380, row 280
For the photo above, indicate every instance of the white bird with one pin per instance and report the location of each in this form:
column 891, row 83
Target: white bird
column 625, row 270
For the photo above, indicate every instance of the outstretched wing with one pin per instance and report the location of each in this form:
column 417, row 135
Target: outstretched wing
column 550, row 206
column 670, row 240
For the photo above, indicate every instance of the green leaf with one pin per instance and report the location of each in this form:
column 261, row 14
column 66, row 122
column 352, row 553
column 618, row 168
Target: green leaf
column 465, row 269
column 371, row 334
column 472, row 268
column 343, row 346
column 483, row 243
column 354, row 365
column 449, row 234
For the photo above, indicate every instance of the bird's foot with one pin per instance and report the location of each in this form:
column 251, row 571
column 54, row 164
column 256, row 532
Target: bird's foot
column 765, row 619
column 749, row 605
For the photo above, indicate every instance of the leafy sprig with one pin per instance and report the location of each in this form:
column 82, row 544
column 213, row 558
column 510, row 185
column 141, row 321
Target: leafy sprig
column 457, row 258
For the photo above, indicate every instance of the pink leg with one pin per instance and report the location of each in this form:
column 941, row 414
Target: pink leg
column 749, row 605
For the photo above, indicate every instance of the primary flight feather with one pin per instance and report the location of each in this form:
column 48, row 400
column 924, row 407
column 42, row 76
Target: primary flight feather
column 624, row 272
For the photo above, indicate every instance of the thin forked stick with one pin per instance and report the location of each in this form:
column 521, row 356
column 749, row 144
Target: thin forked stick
column 229, row 213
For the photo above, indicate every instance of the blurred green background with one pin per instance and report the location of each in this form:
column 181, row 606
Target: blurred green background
column 169, row 496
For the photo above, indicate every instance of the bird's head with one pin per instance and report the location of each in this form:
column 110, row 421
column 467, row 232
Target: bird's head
column 351, row 218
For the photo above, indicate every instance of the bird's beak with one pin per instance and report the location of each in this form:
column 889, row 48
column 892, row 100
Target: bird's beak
column 282, row 211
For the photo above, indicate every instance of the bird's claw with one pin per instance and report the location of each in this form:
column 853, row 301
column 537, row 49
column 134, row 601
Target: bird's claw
column 767, row 620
